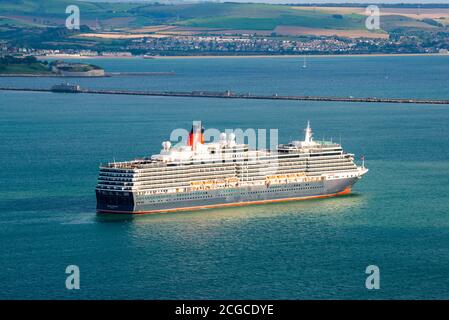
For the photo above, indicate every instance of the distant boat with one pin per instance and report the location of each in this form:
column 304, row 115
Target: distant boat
column 147, row 56
column 304, row 66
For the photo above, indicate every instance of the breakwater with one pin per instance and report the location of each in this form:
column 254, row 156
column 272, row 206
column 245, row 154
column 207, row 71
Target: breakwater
column 233, row 95
column 86, row 75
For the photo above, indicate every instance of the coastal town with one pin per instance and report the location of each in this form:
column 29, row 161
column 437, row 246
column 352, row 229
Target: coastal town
column 236, row 45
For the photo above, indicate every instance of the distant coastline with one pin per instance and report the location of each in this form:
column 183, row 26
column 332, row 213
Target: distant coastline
column 312, row 55
column 248, row 56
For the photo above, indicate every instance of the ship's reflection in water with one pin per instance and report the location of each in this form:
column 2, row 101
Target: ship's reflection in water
column 212, row 222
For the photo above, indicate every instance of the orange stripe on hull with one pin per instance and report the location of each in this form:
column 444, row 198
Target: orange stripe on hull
column 235, row 204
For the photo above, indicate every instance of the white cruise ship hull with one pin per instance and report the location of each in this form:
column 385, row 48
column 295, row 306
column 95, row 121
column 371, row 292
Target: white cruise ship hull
column 129, row 203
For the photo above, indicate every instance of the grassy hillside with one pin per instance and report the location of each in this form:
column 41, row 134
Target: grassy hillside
column 11, row 65
column 298, row 19
column 236, row 16
column 6, row 21
column 209, row 15
column 57, row 7
column 35, row 68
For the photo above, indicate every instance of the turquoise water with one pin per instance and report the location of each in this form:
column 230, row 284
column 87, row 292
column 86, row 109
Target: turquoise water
column 396, row 218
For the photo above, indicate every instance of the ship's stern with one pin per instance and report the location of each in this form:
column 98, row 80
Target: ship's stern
column 114, row 202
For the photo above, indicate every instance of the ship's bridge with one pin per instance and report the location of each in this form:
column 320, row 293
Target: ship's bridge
column 298, row 147
column 308, row 145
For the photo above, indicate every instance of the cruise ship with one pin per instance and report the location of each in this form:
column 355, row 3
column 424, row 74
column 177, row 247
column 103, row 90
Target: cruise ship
column 225, row 173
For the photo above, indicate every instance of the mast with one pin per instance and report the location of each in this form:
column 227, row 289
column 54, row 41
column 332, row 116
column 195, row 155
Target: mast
column 308, row 136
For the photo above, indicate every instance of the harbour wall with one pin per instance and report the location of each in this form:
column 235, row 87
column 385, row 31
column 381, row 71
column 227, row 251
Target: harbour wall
column 232, row 95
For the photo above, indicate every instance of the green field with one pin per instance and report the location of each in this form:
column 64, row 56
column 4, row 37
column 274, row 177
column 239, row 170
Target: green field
column 34, row 68
column 233, row 16
column 209, row 15
column 57, row 7
column 18, row 23
column 306, row 19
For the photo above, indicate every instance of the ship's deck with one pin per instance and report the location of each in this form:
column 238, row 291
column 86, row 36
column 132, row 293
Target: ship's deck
column 290, row 148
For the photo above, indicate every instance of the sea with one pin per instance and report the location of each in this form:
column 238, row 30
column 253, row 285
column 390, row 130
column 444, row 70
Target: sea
column 397, row 217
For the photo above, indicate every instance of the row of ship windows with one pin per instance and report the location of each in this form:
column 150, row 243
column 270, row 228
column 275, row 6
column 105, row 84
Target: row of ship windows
column 279, row 170
column 158, row 199
column 229, row 172
column 178, row 183
column 186, row 170
column 189, row 169
column 150, row 185
column 104, row 180
column 294, row 158
column 186, row 182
